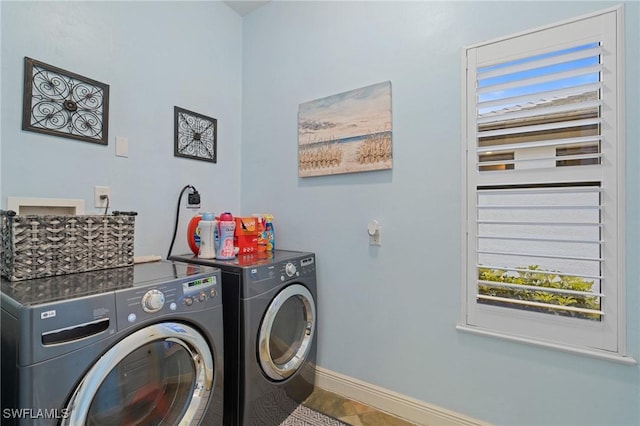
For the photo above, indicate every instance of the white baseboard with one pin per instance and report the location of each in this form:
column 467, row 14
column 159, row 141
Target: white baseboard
column 399, row 405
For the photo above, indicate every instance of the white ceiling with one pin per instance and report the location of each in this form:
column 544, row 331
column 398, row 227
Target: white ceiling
column 244, row 7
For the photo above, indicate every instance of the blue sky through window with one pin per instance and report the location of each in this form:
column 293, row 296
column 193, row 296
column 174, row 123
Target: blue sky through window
column 561, row 83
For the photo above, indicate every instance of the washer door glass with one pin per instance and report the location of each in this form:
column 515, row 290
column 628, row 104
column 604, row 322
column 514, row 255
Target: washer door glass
column 286, row 332
column 151, row 385
column 161, row 374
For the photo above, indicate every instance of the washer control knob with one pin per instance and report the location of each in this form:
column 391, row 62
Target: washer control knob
column 290, row 269
column 213, row 292
column 188, row 301
column 202, row 297
column 153, row 301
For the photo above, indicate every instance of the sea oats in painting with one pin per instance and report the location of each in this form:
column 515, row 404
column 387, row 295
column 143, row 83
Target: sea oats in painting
column 346, row 133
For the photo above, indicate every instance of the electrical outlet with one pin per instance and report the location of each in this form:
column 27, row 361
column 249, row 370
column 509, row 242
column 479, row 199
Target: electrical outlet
column 375, row 239
column 374, row 231
column 193, row 200
column 99, row 191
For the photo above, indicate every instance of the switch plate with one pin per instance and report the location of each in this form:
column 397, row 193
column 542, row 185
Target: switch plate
column 97, row 192
column 122, row 146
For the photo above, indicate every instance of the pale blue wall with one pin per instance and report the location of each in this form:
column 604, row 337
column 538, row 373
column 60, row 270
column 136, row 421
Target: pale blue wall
column 154, row 55
column 388, row 314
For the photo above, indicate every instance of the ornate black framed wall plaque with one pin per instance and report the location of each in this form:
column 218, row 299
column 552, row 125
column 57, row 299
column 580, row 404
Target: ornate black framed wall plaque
column 62, row 103
column 196, row 135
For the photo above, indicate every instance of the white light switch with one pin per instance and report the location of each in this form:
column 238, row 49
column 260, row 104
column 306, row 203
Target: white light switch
column 122, row 146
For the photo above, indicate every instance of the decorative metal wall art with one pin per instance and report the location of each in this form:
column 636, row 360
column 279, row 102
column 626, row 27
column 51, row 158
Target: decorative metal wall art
column 196, row 135
column 346, row 133
column 61, row 103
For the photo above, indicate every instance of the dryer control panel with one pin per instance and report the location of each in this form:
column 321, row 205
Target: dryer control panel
column 297, row 268
column 308, row 265
column 283, row 271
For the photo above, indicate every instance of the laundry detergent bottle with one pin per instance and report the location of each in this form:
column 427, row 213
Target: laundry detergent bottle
column 207, row 227
column 193, row 234
column 226, row 230
column 271, row 232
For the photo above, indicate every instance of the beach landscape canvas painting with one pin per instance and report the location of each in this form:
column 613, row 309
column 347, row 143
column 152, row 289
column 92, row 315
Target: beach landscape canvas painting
column 346, row 133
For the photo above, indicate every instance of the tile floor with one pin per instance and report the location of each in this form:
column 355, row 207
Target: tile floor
column 350, row 412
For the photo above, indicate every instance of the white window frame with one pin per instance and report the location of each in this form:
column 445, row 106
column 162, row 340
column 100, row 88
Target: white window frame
column 604, row 339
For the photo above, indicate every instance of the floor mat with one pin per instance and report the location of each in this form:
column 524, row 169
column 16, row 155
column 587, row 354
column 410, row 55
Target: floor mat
column 304, row 416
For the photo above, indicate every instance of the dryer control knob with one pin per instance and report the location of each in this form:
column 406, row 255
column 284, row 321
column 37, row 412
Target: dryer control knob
column 152, row 301
column 290, row 269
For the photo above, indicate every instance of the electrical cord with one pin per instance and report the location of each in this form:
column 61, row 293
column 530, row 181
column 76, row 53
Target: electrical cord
column 175, row 228
column 105, row 197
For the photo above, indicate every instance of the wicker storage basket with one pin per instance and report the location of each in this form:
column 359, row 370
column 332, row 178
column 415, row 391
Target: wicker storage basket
column 34, row 246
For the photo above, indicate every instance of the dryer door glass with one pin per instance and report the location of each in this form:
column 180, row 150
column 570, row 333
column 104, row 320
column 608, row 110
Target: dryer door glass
column 287, row 332
column 161, row 374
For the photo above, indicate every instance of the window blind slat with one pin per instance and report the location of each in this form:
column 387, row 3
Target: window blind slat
column 543, row 240
column 538, row 144
column 525, row 160
column 539, row 127
column 537, row 110
column 539, row 288
column 521, row 83
column 536, row 97
column 554, row 224
column 540, row 305
column 538, row 207
column 586, row 187
column 566, row 274
column 539, row 255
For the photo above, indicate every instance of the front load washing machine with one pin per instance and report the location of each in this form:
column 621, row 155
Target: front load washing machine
column 138, row 345
column 270, row 333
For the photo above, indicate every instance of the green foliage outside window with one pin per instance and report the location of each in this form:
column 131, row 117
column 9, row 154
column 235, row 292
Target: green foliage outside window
column 542, row 279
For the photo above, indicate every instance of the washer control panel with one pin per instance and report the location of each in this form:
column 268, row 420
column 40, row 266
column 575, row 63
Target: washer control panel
column 199, row 291
column 136, row 304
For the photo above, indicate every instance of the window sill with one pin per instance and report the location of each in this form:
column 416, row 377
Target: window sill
column 593, row 353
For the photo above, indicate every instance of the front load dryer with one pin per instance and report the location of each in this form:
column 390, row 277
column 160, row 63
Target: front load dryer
column 138, row 345
column 270, row 333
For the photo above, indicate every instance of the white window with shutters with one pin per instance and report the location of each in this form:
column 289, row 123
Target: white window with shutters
column 544, row 174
